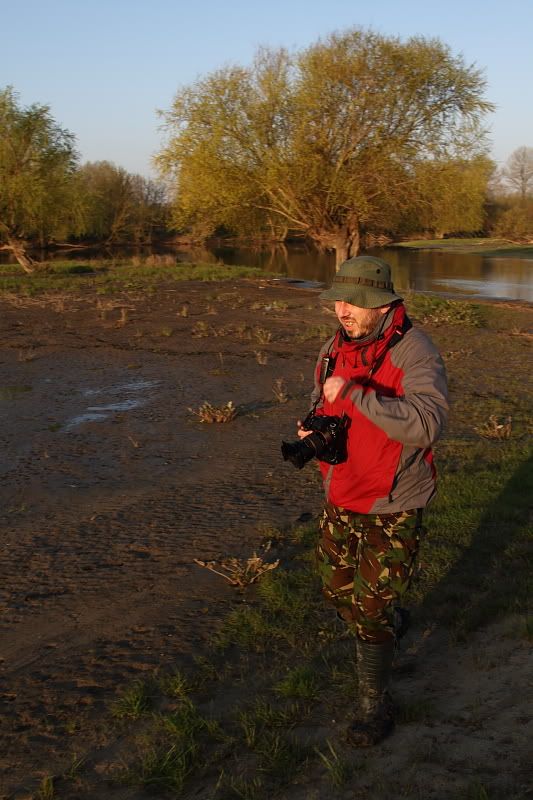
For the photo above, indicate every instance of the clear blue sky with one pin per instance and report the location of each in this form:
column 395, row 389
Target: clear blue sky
column 106, row 66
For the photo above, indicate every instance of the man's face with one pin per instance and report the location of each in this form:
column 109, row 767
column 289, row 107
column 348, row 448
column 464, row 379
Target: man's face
column 358, row 322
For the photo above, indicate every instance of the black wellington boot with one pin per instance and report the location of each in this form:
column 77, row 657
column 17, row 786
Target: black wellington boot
column 374, row 719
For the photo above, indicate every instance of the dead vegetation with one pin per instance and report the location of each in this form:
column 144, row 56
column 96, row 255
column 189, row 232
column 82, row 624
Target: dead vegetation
column 210, row 413
column 239, row 572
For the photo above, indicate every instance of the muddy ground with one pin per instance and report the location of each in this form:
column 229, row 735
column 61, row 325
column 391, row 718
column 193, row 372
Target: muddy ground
column 110, row 488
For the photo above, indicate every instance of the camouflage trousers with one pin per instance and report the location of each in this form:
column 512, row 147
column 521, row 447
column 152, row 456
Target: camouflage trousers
column 366, row 562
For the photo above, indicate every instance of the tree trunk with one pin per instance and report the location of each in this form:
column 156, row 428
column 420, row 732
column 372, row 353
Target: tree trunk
column 344, row 240
column 18, row 248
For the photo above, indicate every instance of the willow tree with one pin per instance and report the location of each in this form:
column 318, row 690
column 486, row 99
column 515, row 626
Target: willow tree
column 325, row 141
column 37, row 161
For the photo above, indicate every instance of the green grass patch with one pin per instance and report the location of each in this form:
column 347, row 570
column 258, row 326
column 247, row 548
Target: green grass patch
column 287, row 599
column 302, row 682
column 135, row 701
column 165, row 769
column 477, row 559
column 112, row 278
column 439, row 311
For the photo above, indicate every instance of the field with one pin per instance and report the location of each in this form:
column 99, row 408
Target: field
column 127, row 669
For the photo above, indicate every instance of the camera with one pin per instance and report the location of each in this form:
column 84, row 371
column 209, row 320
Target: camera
column 327, row 442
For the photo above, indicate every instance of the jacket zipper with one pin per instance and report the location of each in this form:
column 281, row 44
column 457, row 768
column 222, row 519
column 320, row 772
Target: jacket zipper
column 409, row 463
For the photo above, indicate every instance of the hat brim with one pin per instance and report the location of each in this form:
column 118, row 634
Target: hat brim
column 360, row 296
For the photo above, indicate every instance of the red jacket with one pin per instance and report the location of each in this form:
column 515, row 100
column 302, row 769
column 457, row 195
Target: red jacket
column 395, row 397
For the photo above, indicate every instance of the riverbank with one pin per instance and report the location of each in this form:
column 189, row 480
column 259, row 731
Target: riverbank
column 127, row 667
column 497, row 248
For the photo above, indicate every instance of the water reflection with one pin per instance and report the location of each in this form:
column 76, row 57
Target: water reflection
column 472, row 275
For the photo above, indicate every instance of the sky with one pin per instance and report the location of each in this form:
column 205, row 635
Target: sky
column 105, row 67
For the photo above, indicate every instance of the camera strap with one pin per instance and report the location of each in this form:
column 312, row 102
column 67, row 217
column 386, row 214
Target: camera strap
column 398, row 334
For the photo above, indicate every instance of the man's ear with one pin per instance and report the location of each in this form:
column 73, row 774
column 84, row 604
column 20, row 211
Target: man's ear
column 385, row 309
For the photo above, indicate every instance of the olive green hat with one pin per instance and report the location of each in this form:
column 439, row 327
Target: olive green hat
column 364, row 281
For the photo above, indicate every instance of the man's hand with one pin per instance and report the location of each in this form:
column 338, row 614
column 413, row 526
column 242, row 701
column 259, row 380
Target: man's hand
column 332, row 387
column 301, row 432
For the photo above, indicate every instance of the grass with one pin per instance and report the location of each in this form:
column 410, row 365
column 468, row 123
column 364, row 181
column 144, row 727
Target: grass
column 46, row 789
column 338, row 768
column 134, row 703
column 165, row 769
column 301, row 682
column 439, row 311
column 477, row 566
column 236, row 788
column 112, row 278
column 280, row 757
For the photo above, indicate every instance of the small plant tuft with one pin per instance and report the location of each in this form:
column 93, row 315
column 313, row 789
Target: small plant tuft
column 339, row 769
column 46, row 789
column 280, row 390
column 238, row 572
column 262, row 335
column 201, row 330
column 210, row 413
column 496, row 428
column 136, row 701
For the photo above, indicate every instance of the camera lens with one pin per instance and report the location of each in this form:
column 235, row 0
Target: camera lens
column 299, row 453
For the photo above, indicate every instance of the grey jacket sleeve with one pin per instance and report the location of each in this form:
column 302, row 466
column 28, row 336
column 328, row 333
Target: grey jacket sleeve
column 418, row 417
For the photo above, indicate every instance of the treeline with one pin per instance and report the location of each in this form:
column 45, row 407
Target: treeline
column 358, row 137
column 115, row 206
column 510, row 198
column 47, row 197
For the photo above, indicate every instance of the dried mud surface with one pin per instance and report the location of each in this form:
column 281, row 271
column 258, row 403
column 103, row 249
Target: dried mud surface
column 109, row 488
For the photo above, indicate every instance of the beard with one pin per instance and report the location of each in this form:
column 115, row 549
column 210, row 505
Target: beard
column 362, row 324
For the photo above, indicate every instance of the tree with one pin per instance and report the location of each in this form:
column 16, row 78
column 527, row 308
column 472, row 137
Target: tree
column 326, row 141
column 451, row 195
column 37, row 162
column 516, row 223
column 518, row 172
column 117, row 205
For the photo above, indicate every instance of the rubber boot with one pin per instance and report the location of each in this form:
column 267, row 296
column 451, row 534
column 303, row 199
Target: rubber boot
column 374, row 720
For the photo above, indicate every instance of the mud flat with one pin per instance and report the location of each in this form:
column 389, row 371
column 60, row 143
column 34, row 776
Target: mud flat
column 110, row 487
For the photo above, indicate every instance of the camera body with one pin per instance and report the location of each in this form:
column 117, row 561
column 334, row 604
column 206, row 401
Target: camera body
column 327, row 442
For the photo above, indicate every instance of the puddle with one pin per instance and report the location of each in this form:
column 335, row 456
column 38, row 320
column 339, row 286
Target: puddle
column 99, row 413
column 119, row 388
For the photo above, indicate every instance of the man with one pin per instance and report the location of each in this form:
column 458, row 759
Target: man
column 388, row 379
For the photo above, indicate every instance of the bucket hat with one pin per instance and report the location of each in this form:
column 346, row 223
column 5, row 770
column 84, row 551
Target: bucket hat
column 364, row 281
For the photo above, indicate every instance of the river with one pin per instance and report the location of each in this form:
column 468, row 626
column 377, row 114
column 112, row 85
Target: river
column 454, row 274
